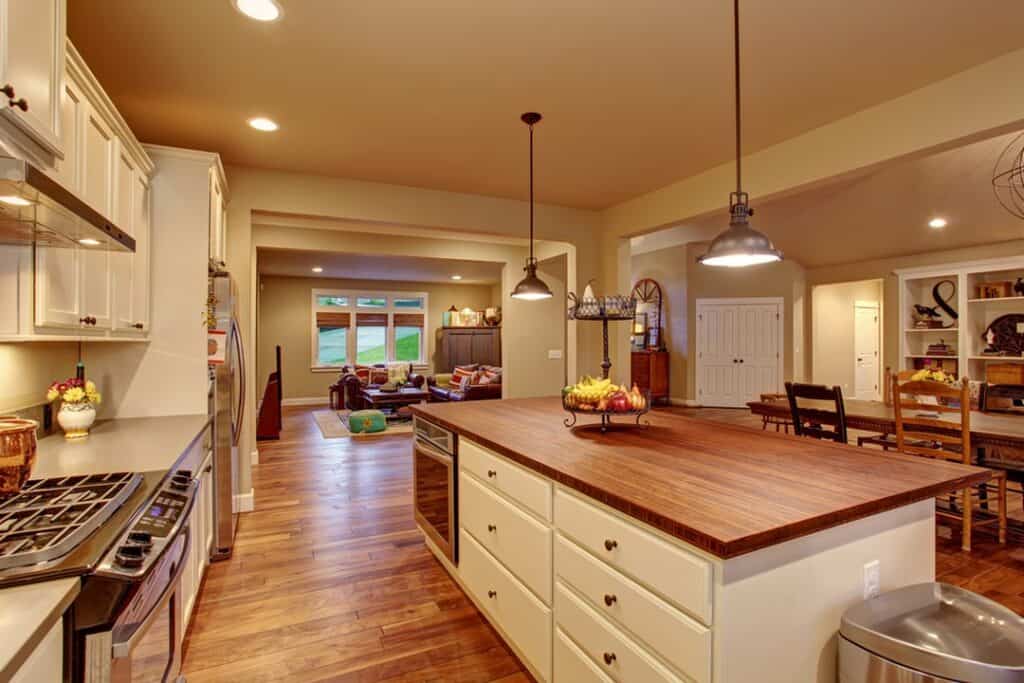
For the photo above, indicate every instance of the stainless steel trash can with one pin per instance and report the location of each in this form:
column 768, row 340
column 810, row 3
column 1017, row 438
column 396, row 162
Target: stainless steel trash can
column 931, row 633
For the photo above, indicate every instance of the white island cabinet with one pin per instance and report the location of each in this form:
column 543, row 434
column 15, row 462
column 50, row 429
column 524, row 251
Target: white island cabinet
column 32, row 630
column 687, row 552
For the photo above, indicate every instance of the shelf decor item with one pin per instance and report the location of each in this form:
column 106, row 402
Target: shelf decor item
column 600, row 397
column 647, row 292
column 78, row 400
column 1002, row 337
column 995, row 290
column 17, row 452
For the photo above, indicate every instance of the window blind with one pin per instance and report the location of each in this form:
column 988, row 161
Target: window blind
column 327, row 319
column 408, row 320
column 372, row 319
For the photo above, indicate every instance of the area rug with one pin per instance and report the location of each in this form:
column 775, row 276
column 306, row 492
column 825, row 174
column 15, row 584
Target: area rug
column 333, row 424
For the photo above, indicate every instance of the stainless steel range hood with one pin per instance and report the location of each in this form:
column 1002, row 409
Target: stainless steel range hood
column 35, row 209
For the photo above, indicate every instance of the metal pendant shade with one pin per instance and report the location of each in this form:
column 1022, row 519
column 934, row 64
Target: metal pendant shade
column 740, row 245
column 531, row 287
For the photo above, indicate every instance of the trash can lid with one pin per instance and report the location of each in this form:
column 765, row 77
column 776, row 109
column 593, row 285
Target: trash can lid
column 941, row 630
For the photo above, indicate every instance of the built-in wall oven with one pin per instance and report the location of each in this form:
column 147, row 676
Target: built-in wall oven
column 435, row 485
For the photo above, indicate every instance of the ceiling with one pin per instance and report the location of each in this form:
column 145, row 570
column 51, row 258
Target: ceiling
column 878, row 215
column 296, row 263
column 635, row 94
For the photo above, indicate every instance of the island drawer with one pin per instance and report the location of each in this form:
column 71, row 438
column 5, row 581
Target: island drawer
column 510, row 605
column 526, row 488
column 679, row 640
column 679, row 576
column 519, row 541
column 614, row 652
column 572, row 665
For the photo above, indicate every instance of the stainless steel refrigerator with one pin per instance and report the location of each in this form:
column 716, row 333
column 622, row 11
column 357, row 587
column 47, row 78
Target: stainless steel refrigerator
column 227, row 406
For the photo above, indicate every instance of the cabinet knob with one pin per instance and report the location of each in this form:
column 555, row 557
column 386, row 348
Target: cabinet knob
column 492, row 594
column 610, row 599
column 491, row 474
column 21, row 104
column 8, row 91
column 741, row 360
column 610, row 545
column 87, row 320
column 492, row 528
column 138, row 326
column 609, row 658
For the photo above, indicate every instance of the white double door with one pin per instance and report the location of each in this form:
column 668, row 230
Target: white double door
column 739, row 350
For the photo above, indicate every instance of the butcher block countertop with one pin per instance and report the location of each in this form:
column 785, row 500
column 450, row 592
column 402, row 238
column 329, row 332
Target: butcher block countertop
column 726, row 489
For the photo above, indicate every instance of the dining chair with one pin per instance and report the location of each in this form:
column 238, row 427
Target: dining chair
column 921, row 432
column 783, row 423
column 815, row 421
column 886, row 440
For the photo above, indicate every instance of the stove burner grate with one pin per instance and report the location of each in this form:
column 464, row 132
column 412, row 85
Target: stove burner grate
column 50, row 517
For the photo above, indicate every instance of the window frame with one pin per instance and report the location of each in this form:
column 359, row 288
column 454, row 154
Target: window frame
column 390, row 337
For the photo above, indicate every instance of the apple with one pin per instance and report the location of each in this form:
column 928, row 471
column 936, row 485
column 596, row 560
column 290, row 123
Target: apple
column 619, row 403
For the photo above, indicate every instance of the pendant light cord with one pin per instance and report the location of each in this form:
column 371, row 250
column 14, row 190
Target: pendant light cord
column 736, row 49
column 531, row 192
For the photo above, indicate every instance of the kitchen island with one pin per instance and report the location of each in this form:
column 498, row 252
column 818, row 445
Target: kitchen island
column 689, row 550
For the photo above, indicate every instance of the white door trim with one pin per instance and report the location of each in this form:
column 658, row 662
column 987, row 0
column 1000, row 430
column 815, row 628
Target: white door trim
column 778, row 301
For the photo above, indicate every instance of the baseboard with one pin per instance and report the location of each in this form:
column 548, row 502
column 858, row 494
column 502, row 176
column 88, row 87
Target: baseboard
column 685, row 402
column 254, row 457
column 305, row 401
column 244, row 502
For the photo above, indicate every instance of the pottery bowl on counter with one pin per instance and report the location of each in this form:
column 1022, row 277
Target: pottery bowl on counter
column 17, row 452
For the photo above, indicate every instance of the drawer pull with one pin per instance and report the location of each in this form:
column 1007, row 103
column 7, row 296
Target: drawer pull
column 609, row 658
column 21, row 104
column 610, row 599
column 492, row 594
column 491, row 474
column 8, row 90
column 492, row 528
column 610, row 545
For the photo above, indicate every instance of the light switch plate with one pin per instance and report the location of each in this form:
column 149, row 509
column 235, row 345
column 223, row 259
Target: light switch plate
column 554, row 354
column 1020, row 328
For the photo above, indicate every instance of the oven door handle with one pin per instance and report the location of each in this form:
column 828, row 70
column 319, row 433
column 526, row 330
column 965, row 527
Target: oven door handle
column 124, row 648
column 431, row 451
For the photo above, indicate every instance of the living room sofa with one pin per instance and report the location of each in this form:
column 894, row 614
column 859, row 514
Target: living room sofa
column 441, row 389
column 347, row 391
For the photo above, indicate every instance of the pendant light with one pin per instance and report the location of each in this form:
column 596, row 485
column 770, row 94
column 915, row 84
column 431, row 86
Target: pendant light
column 531, row 287
column 740, row 245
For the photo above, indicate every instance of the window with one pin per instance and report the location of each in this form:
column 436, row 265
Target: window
column 367, row 328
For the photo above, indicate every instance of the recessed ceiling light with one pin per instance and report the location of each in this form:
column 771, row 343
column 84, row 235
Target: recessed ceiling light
column 89, row 242
column 260, row 10
column 317, row 269
column 263, row 123
column 15, row 200
column 937, row 223
column 456, row 277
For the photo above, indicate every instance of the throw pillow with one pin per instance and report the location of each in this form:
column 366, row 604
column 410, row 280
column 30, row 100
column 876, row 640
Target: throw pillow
column 461, row 378
column 492, row 374
column 378, row 375
column 363, row 373
column 398, row 373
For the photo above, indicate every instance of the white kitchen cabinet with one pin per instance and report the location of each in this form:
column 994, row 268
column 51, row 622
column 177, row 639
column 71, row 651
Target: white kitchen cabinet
column 32, row 38
column 130, row 272
column 46, row 663
column 141, row 260
column 97, row 189
column 201, row 535
column 218, row 218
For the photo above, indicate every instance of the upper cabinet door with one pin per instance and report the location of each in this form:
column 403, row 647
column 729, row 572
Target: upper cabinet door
column 217, row 251
column 72, row 113
column 97, row 189
column 122, row 275
column 141, row 258
column 32, row 64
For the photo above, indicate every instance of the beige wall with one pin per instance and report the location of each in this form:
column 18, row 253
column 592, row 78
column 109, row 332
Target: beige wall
column 833, row 331
column 786, row 280
column 669, row 268
column 26, row 370
column 285, row 318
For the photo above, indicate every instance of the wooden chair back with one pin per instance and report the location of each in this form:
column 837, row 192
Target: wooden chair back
column 927, row 435
column 815, row 422
column 902, row 375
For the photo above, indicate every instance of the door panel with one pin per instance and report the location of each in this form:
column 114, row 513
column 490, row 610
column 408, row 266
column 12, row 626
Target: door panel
column 97, row 172
column 866, row 351
column 739, row 355
column 121, row 264
column 142, row 258
column 718, row 382
column 32, row 41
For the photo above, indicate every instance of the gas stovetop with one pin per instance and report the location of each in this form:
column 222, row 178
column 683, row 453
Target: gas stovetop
column 52, row 517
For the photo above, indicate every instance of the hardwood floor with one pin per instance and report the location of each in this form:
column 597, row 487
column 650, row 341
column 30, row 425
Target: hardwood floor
column 331, row 581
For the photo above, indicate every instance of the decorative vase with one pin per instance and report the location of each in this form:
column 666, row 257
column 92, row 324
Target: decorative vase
column 76, row 419
column 17, row 452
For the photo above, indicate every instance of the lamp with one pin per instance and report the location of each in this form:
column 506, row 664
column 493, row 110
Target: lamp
column 531, row 287
column 739, row 245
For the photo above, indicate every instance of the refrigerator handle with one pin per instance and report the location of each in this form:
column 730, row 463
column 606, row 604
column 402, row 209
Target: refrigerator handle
column 236, row 429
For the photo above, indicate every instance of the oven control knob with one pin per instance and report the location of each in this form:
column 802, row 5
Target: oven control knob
column 143, row 539
column 129, row 556
column 181, row 481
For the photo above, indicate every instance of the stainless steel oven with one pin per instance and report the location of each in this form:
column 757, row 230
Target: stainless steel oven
column 128, row 618
column 435, row 480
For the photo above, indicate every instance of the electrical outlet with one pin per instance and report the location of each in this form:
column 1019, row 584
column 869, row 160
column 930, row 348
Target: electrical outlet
column 554, row 354
column 872, row 579
column 1020, row 328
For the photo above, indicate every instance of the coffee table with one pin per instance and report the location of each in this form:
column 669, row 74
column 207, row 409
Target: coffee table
column 389, row 402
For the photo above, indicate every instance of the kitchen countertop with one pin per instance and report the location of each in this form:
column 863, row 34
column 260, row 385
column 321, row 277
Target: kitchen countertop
column 726, row 489
column 138, row 444
column 27, row 613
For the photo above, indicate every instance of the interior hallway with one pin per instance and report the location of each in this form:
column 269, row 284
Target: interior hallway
column 330, row 580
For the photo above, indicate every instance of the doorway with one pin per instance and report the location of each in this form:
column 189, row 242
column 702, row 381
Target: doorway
column 867, row 351
column 739, row 350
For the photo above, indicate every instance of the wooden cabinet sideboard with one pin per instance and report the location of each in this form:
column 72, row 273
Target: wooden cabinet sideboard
column 649, row 370
column 466, row 345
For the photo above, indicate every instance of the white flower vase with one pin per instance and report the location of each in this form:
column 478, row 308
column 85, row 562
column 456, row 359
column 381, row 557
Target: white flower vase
column 76, row 419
